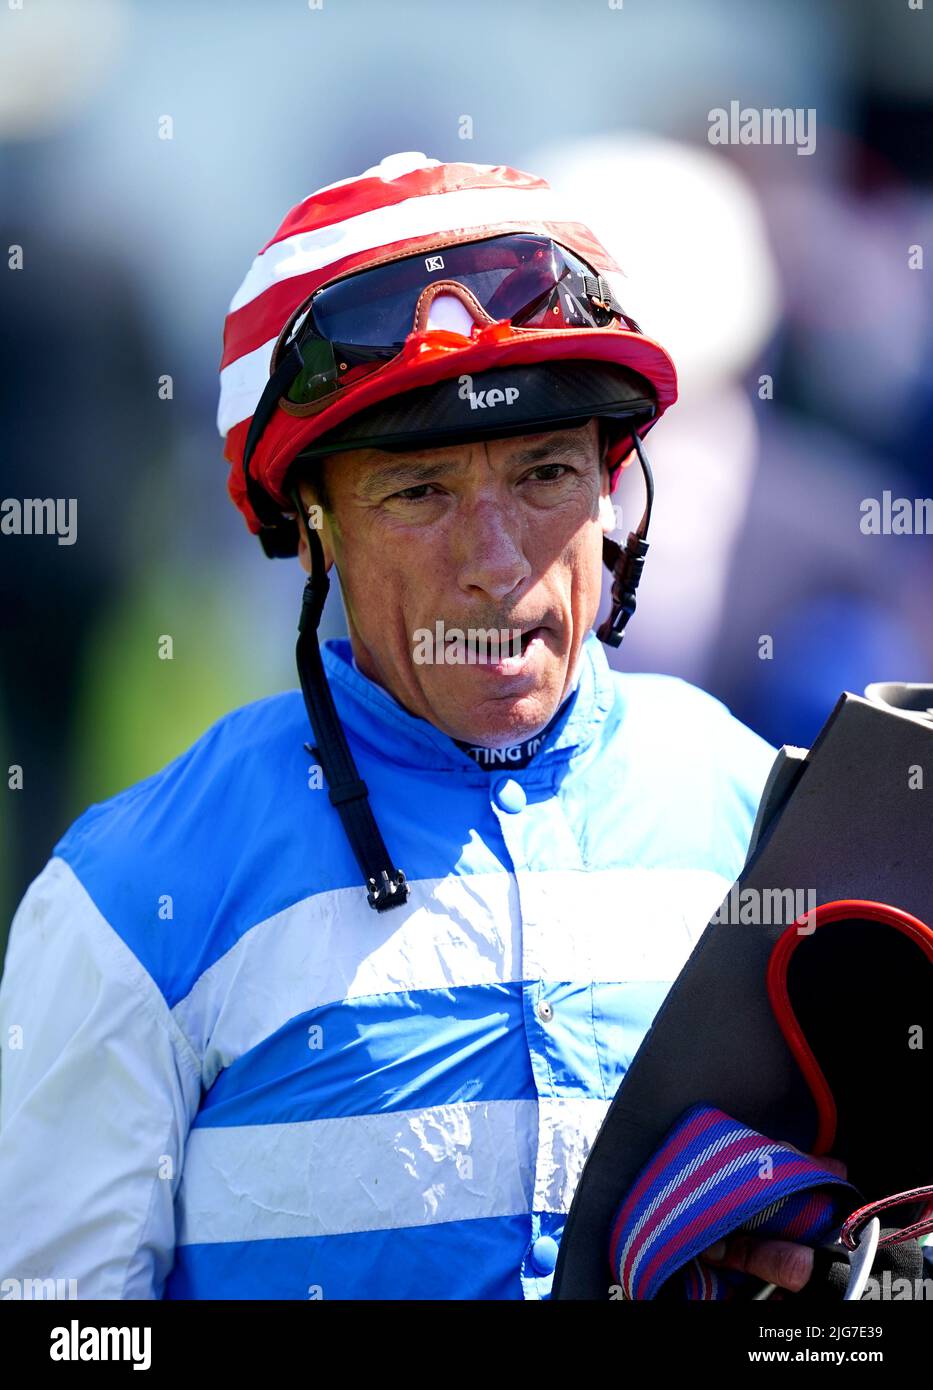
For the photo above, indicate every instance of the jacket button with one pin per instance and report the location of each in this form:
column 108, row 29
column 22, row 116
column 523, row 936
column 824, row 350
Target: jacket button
column 509, row 795
column 544, row 1254
column 545, row 1012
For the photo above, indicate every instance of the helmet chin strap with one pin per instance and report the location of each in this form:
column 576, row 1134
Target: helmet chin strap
column 386, row 886
column 627, row 562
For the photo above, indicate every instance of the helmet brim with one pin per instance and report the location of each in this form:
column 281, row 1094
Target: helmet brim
column 495, row 404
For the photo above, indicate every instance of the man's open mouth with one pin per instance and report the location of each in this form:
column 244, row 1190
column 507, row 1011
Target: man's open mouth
column 499, row 647
column 530, row 635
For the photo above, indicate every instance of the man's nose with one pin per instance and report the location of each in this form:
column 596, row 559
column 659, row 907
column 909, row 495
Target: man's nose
column 492, row 558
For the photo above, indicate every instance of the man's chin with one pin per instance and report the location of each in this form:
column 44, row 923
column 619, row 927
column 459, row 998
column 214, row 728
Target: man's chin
column 505, row 709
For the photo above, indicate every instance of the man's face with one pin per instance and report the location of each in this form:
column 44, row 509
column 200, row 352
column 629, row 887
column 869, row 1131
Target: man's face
column 496, row 534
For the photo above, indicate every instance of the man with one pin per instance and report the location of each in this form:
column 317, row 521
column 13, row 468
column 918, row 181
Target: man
column 341, row 1017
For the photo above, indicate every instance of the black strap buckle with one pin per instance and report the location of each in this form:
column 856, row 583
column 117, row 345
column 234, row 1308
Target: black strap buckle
column 388, row 891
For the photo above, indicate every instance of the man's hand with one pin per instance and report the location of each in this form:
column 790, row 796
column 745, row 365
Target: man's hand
column 782, row 1262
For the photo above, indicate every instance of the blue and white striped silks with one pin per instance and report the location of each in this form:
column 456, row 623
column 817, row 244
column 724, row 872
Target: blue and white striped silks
column 231, row 1078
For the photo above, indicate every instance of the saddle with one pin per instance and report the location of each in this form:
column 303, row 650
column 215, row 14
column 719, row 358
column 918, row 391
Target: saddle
column 800, row 1026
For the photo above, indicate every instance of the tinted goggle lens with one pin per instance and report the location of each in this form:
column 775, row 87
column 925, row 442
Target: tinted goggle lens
column 356, row 323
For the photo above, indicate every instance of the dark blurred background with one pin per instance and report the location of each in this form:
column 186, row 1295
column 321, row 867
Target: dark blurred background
column 747, row 262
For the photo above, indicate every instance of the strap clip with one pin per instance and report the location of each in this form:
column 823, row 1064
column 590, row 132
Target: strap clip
column 388, row 891
column 861, row 1263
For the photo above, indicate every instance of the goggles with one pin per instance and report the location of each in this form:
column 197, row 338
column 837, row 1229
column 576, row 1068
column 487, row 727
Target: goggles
column 347, row 329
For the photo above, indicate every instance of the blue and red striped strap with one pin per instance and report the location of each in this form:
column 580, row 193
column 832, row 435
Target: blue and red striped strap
column 711, row 1177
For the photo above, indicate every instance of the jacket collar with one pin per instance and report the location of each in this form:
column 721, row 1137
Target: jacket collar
column 375, row 718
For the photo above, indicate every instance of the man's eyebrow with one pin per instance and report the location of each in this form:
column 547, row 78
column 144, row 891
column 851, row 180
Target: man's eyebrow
column 414, row 472
column 557, row 446
column 405, row 473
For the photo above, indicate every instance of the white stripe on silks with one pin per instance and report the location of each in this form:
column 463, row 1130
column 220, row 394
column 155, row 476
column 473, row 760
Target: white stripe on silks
column 413, row 217
column 332, row 946
column 613, row 925
column 241, row 385
column 466, row 1161
column 567, row 1130
column 590, row 924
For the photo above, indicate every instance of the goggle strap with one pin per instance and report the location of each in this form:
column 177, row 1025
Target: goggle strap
column 599, row 291
column 276, row 387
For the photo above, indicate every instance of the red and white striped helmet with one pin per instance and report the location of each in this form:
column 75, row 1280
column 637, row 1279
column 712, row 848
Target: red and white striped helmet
column 406, row 204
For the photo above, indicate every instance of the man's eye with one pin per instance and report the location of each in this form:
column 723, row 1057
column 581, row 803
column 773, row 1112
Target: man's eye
column 414, row 494
column 553, row 472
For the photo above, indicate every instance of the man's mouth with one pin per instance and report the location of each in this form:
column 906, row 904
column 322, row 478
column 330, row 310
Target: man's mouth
column 530, row 635
column 511, row 653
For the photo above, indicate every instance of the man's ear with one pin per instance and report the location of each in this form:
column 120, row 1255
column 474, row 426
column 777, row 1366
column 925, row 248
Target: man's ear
column 608, row 514
column 317, row 521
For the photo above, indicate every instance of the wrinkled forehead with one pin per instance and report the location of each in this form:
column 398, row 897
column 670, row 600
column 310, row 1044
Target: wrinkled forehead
column 551, row 445
column 370, row 474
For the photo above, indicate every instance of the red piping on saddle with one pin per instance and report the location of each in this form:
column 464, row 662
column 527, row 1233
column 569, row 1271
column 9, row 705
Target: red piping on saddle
column 819, row 1087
